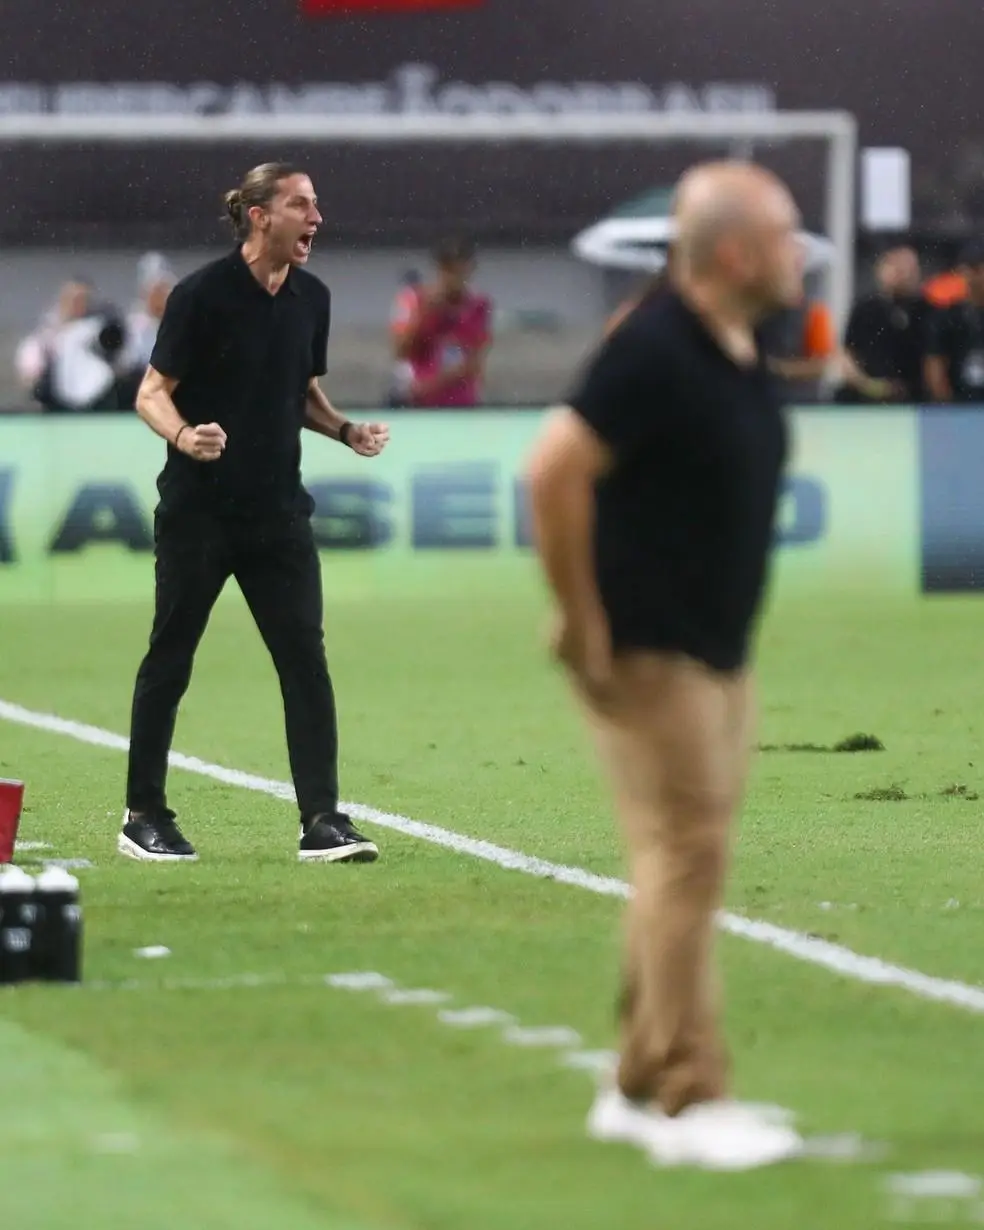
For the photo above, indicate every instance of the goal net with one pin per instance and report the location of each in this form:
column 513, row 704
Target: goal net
column 385, row 180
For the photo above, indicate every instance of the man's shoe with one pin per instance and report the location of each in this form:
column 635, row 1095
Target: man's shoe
column 332, row 839
column 725, row 1136
column 154, row 837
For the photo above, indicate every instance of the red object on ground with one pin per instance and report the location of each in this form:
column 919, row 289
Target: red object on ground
column 11, row 802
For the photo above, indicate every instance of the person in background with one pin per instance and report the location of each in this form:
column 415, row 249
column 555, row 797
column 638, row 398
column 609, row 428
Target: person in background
column 154, row 282
column 443, row 330
column 33, row 356
column 71, row 363
column 883, row 344
column 954, row 362
column 801, row 343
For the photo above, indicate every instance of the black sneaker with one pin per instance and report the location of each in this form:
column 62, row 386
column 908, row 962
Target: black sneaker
column 332, row 839
column 154, row 837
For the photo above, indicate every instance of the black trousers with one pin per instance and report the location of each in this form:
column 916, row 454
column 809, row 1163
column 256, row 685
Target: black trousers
column 277, row 568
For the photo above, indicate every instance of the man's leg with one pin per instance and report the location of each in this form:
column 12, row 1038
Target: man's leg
column 191, row 568
column 664, row 736
column 279, row 573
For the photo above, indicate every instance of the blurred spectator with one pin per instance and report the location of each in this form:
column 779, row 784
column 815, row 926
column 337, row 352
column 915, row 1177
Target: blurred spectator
column 401, row 379
column 154, row 282
column 800, row 343
column 954, row 368
column 33, row 354
column 442, row 330
column 884, row 341
column 68, row 363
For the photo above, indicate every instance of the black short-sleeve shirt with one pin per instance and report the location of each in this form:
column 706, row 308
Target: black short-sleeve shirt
column 243, row 358
column 956, row 335
column 685, row 518
column 886, row 336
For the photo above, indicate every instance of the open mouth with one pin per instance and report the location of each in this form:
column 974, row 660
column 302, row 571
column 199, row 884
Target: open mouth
column 305, row 243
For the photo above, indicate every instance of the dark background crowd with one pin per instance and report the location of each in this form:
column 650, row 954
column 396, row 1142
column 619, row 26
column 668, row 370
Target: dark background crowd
column 911, row 338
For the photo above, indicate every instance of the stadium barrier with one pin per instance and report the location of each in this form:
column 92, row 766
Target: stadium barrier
column 877, row 501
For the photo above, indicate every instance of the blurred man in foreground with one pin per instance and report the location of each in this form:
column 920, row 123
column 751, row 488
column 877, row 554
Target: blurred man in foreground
column 654, row 494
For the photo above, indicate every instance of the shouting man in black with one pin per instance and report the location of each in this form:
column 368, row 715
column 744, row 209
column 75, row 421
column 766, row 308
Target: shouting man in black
column 232, row 380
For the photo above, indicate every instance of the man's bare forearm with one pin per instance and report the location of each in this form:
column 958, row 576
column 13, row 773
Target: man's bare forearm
column 320, row 415
column 156, row 407
column 563, row 530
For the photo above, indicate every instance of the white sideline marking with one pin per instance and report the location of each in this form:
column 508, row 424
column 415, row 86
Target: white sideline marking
column 542, row 1035
column 598, row 1062
column 410, row 998
column 360, row 982
column 474, row 1018
column 795, row 944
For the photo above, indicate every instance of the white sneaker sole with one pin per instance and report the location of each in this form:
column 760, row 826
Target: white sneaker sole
column 782, row 1145
column 735, row 1138
column 130, row 849
column 613, row 1119
column 358, row 852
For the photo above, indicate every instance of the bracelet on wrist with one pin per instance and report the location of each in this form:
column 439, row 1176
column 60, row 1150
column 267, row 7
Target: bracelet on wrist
column 343, row 434
column 177, row 437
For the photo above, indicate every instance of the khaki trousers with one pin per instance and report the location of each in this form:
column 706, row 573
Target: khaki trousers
column 674, row 738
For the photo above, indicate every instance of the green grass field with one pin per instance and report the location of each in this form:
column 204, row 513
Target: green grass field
column 191, row 1098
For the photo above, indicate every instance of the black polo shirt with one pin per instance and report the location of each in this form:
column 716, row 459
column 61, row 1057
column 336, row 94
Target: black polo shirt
column 243, row 358
column 685, row 519
column 885, row 334
column 956, row 334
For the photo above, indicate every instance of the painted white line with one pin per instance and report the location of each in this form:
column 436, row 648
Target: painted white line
column 24, row 847
column 806, row 948
column 233, row 982
column 474, row 1018
column 542, row 1035
column 599, row 1062
column 410, row 998
column 359, row 982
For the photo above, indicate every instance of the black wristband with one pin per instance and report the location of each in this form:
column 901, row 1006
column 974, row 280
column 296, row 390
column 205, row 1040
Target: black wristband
column 183, row 427
column 343, row 434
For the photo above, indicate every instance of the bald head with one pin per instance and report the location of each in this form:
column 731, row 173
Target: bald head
column 736, row 222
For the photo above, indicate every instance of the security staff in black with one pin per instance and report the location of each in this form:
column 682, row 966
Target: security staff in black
column 233, row 379
column 955, row 338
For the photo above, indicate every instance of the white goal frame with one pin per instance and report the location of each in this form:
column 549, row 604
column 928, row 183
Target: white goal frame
column 837, row 128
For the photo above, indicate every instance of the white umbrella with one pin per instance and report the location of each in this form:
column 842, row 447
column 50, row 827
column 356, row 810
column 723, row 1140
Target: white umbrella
column 637, row 235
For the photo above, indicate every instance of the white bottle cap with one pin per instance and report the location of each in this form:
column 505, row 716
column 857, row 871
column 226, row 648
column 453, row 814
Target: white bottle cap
column 14, row 880
column 56, row 880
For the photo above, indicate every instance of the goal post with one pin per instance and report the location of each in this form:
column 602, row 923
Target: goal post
column 838, row 129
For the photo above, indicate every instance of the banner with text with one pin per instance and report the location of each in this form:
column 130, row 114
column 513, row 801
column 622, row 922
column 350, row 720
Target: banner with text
column 444, row 508
column 906, row 69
